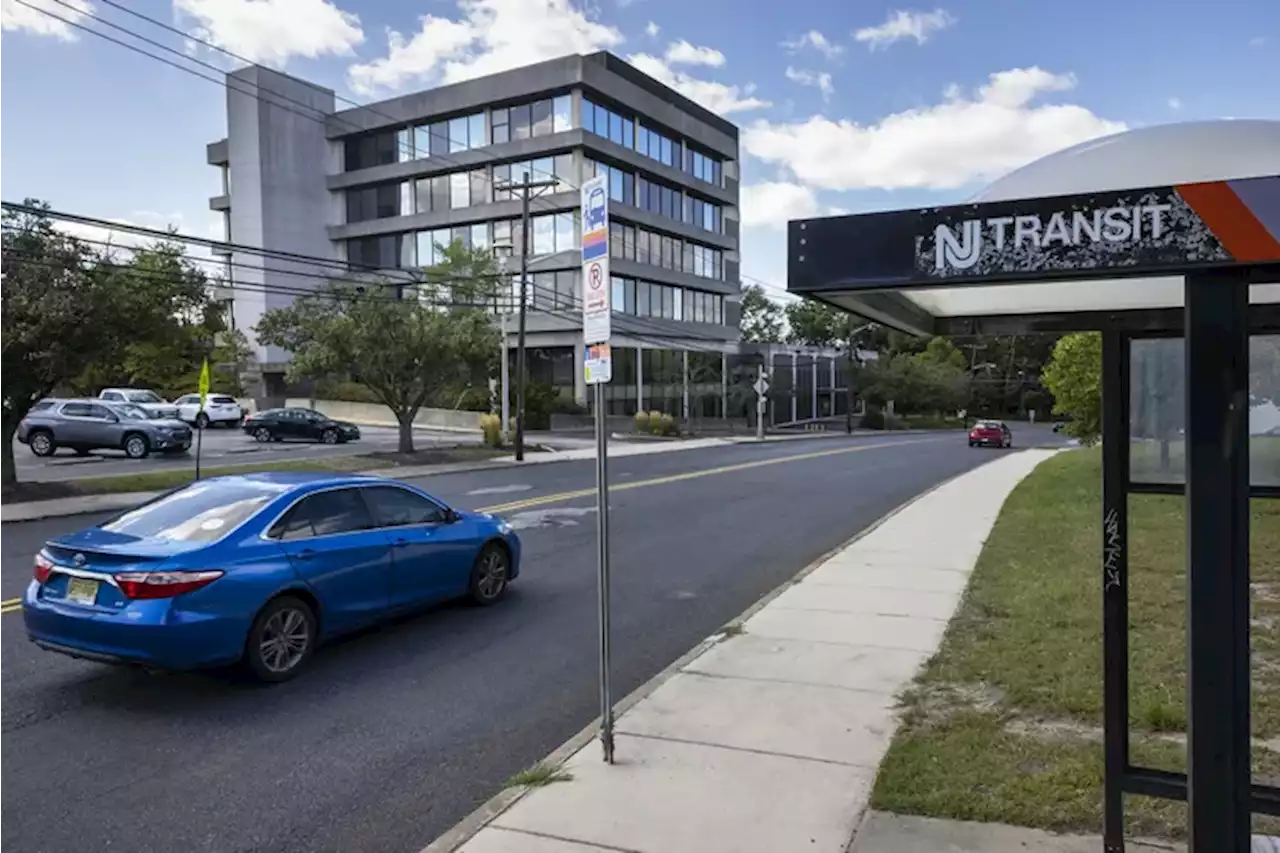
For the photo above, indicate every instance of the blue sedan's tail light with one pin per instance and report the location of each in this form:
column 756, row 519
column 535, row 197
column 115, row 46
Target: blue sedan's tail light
column 43, row 569
column 150, row 585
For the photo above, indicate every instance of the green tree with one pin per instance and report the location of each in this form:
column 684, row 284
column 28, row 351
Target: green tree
column 407, row 350
column 761, row 321
column 1074, row 376
column 71, row 313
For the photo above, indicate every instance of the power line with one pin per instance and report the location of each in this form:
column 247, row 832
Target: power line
column 259, row 95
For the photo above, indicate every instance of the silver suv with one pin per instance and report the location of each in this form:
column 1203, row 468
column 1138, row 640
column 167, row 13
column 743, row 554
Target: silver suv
column 85, row 425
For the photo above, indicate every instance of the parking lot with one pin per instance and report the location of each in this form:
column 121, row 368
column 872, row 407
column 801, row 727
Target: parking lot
column 222, row 446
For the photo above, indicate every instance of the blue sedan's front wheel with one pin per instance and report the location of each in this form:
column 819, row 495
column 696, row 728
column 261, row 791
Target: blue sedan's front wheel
column 490, row 574
column 281, row 640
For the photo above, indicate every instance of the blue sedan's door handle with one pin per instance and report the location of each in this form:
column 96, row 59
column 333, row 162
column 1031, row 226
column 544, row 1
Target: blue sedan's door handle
column 399, row 542
column 306, row 554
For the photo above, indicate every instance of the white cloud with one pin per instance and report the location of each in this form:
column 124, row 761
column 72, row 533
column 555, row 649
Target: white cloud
column 487, row 36
column 1175, row 103
column 682, row 53
column 651, row 30
column 1257, row 41
column 819, row 80
column 817, row 41
column 720, row 98
column 274, row 31
column 903, row 25
column 14, row 16
column 944, row 146
column 772, row 203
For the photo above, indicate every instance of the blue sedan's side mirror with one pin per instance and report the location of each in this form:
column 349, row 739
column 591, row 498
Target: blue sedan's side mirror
column 450, row 516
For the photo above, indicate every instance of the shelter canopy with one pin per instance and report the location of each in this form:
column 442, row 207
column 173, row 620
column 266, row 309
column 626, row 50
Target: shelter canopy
column 1061, row 244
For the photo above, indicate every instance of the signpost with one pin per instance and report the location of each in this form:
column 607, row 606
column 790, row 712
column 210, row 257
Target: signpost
column 598, row 369
column 204, row 397
column 761, row 387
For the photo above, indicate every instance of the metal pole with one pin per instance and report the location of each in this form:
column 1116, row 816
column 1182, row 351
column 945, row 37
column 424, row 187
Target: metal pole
column 199, row 446
column 1217, row 452
column 602, row 521
column 1115, row 585
column 520, row 353
column 506, row 384
column 760, row 405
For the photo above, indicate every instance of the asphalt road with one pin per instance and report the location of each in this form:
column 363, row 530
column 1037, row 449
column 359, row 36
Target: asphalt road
column 222, row 446
column 395, row 734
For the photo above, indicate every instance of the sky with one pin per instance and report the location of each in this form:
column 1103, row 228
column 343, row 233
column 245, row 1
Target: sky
column 842, row 105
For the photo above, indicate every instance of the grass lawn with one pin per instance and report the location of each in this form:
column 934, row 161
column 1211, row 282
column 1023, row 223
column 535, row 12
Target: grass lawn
column 168, row 478
column 1004, row 724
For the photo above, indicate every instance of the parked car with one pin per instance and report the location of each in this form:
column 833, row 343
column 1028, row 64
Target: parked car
column 85, row 425
column 306, row 424
column 151, row 402
column 218, row 409
column 990, row 434
column 259, row 569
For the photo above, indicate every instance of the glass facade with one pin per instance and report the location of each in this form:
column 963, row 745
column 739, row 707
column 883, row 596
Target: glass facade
column 658, row 197
column 654, row 144
column 642, row 298
column 633, row 243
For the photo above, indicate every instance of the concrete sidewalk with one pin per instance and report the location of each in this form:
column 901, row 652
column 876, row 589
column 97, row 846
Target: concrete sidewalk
column 768, row 740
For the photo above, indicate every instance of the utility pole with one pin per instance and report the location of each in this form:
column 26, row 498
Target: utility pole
column 526, row 188
column 502, row 306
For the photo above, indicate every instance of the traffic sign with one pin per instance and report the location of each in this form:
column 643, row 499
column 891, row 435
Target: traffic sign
column 761, row 385
column 596, row 308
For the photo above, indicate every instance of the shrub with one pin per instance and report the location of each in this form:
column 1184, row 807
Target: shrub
column 491, row 426
column 873, row 419
column 642, row 421
column 655, row 423
column 668, row 426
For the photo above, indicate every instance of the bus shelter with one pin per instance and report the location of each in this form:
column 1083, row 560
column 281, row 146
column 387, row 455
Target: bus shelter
column 1184, row 271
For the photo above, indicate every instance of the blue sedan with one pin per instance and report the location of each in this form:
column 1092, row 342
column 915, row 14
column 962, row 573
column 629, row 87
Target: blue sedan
column 259, row 569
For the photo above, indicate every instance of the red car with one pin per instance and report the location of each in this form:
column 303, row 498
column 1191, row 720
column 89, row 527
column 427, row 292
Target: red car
column 990, row 434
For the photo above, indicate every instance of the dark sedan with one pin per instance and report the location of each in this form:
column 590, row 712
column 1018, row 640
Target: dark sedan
column 298, row 425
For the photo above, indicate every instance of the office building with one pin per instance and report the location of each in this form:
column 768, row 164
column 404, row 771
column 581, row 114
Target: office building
column 387, row 184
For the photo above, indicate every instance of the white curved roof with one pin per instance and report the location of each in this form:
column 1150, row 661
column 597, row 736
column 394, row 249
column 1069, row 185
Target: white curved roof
column 1149, row 157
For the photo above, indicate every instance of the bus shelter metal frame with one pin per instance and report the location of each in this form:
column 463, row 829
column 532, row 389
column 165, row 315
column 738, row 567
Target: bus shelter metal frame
column 869, row 264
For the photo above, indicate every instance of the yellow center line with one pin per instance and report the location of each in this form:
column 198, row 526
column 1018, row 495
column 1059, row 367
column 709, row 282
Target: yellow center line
column 542, row 500
column 11, row 605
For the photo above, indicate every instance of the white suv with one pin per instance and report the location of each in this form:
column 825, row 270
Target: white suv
column 218, row 409
column 147, row 400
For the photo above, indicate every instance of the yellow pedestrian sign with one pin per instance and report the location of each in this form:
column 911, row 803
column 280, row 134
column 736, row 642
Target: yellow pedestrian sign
column 204, row 384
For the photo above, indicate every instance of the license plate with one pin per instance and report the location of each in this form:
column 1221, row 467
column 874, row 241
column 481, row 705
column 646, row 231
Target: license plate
column 82, row 591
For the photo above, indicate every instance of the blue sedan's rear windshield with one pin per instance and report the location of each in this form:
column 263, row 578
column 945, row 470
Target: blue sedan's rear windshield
column 201, row 512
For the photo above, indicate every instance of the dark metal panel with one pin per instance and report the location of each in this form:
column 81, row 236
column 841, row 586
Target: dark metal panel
column 889, row 309
column 1179, row 489
column 1264, row 318
column 1115, row 583
column 1147, row 782
column 1218, row 747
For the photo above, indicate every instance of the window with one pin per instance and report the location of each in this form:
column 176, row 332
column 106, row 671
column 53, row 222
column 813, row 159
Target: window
column 387, row 200
column 500, row 119
column 324, row 514
column 76, row 410
column 459, row 190
column 667, row 152
column 457, row 135
column 393, row 506
column 475, row 131
column 541, row 118
column 202, row 512
column 618, row 295
column 373, row 149
column 588, row 116
column 404, row 145
column 615, row 128
column 480, row 235
column 521, row 122
column 565, row 239
column 642, row 246
column 382, row 252
column 422, row 195
column 629, row 242
column 668, row 303
column 615, row 240
column 628, row 133
column 563, row 169
column 542, row 168
column 479, row 186
column 439, row 139
column 421, row 141
column 642, row 298
column 544, row 235
column 562, row 112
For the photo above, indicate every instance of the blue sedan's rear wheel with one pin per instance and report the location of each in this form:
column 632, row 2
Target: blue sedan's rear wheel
column 490, row 574
column 281, row 640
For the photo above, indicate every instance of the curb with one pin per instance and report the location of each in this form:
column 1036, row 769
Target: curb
column 491, row 809
column 118, row 501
